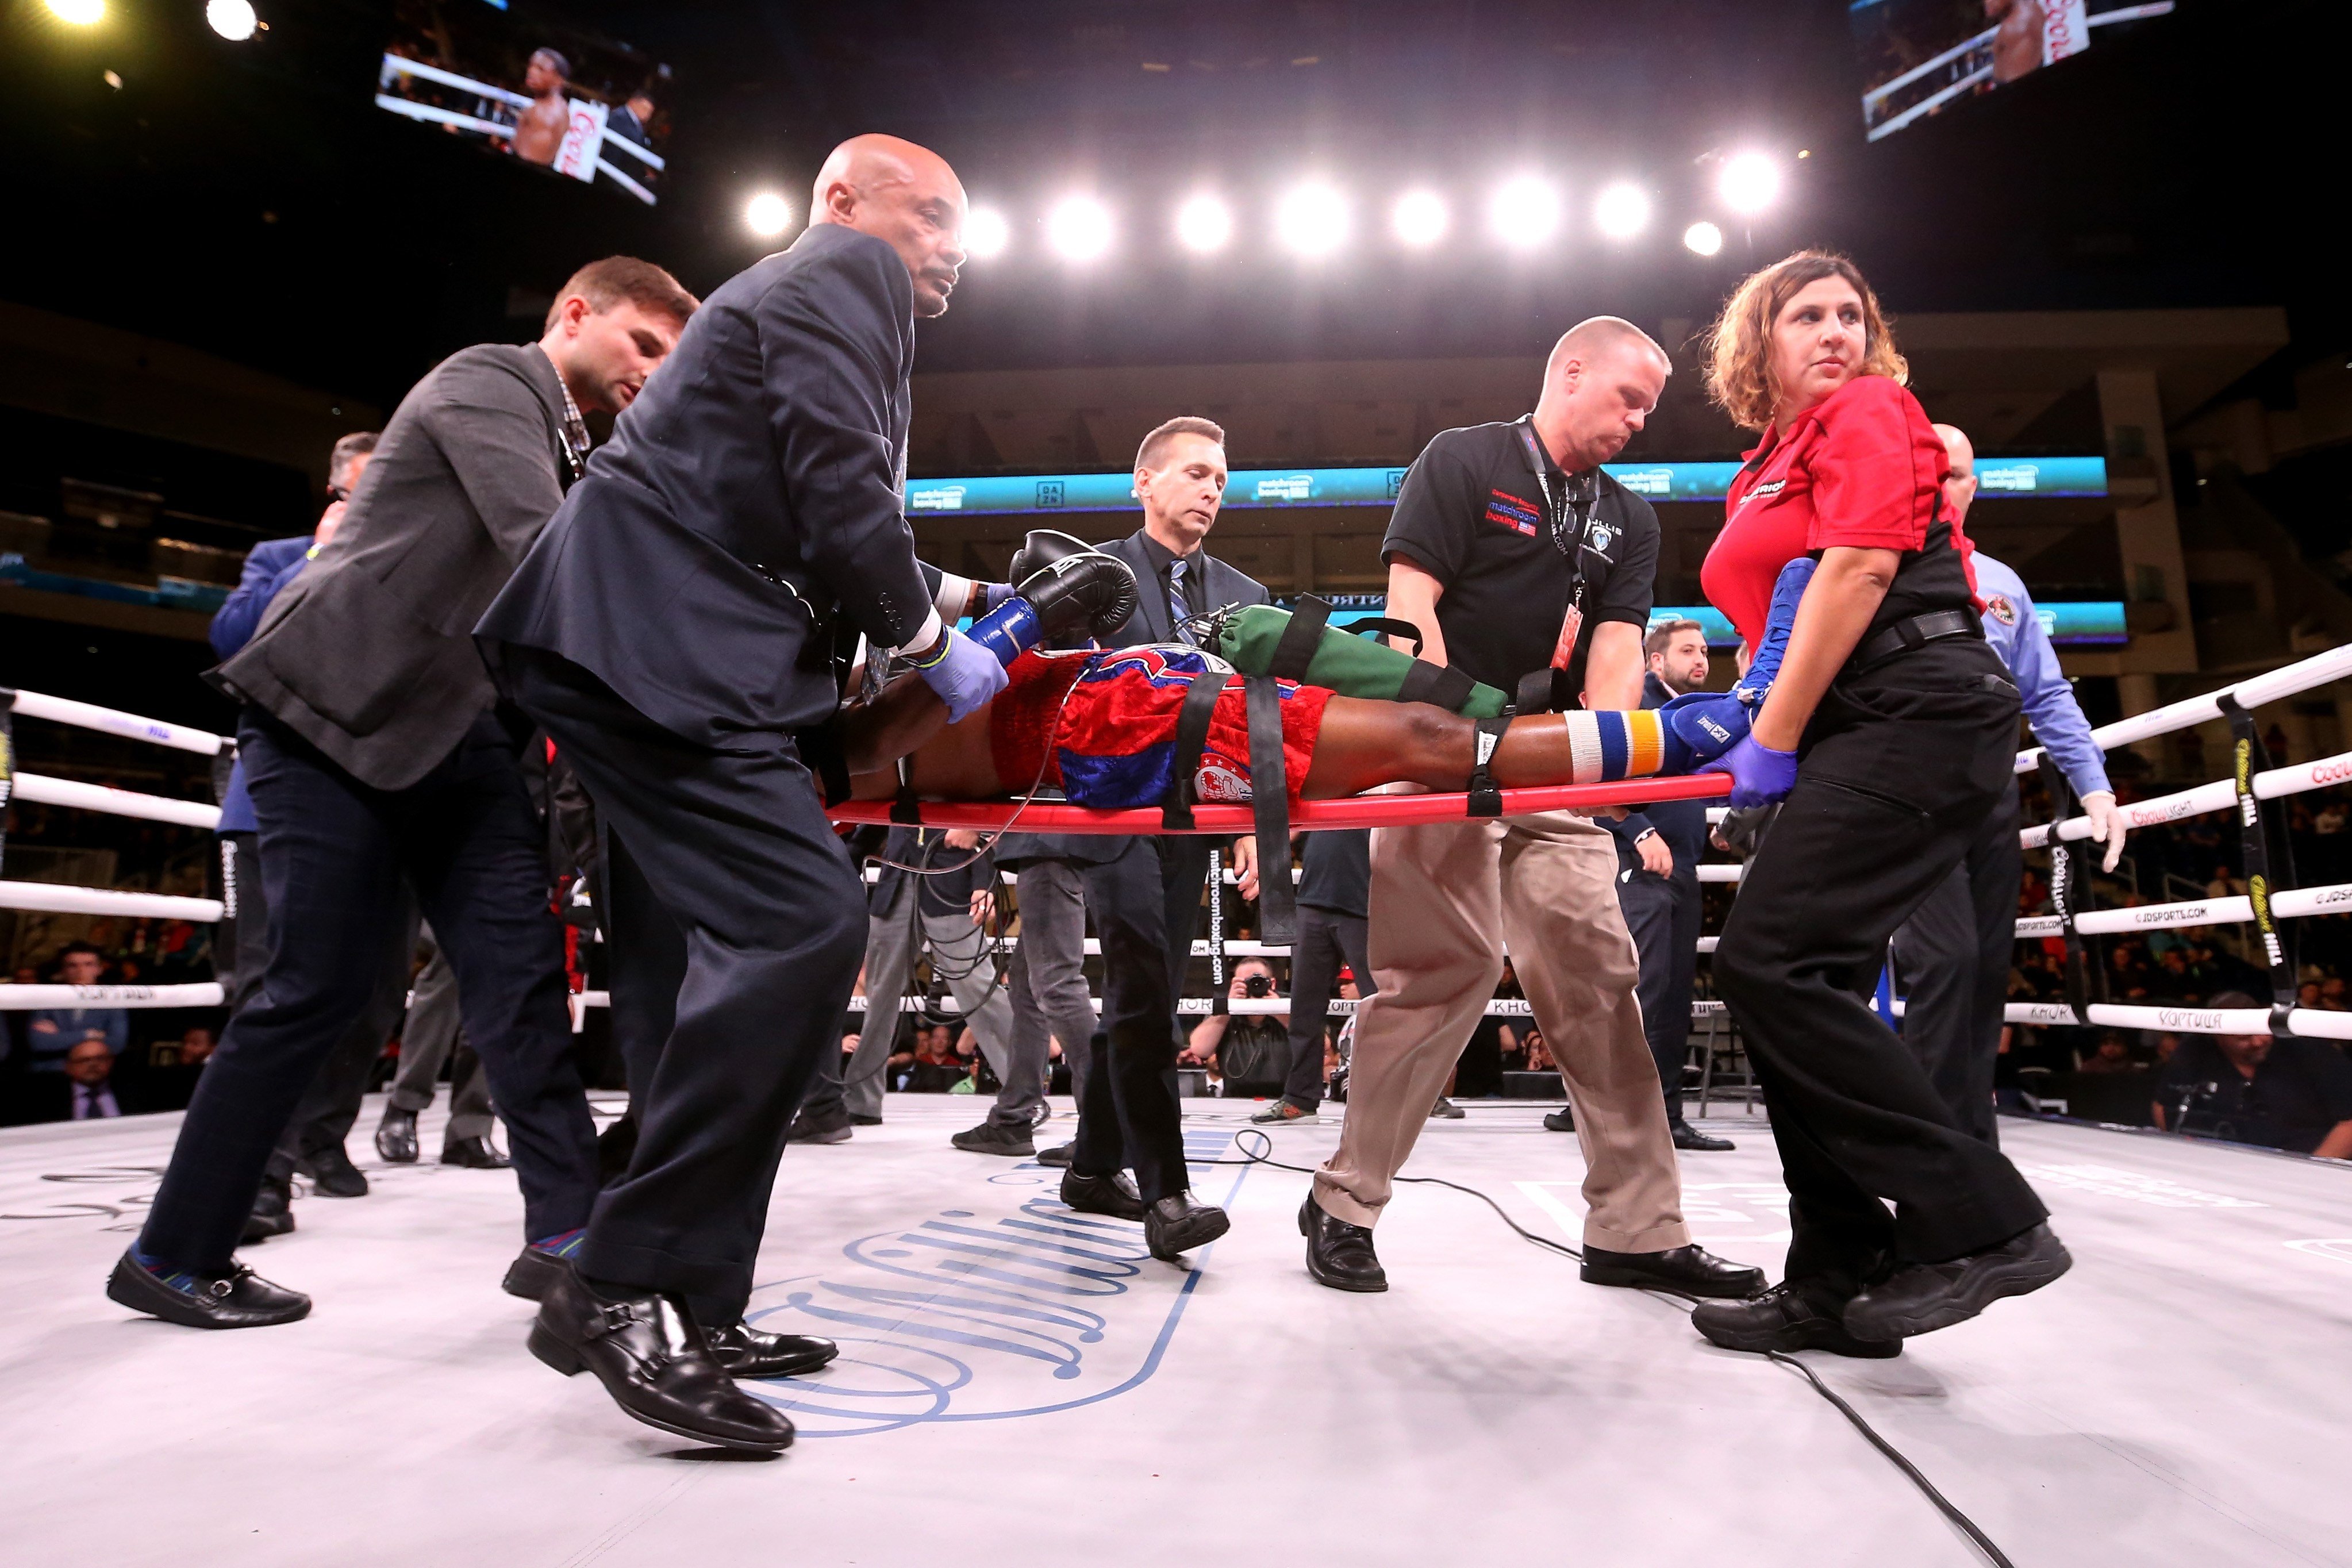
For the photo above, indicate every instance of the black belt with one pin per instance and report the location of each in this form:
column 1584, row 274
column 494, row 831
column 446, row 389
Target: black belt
column 1916, row 632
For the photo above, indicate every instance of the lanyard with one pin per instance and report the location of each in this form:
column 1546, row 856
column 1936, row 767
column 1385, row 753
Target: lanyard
column 1558, row 512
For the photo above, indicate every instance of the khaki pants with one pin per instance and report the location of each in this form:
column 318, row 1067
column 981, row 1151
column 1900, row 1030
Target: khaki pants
column 1444, row 900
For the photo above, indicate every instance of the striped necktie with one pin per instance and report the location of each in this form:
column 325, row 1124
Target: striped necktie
column 1178, row 611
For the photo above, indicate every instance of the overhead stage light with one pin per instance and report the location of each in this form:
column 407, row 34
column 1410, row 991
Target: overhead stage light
column 1419, row 218
column 766, row 214
column 232, row 19
column 1204, row 225
column 1750, row 183
column 1703, row 238
column 1312, row 220
column 1079, row 228
column 1524, row 213
column 1622, row 210
column 985, row 233
column 79, row 13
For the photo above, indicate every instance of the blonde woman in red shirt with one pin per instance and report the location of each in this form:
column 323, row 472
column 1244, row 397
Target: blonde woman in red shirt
column 1888, row 732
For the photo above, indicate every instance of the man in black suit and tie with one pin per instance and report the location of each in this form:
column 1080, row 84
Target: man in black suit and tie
column 682, row 630
column 1146, row 901
column 375, row 752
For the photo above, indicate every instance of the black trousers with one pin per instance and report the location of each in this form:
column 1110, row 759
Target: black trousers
column 1901, row 765
column 1663, row 914
column 737, row 922
column 1953, row 955
column 1327, row 939
column 1145, row 904
column 334, row 852
column 322, row 1118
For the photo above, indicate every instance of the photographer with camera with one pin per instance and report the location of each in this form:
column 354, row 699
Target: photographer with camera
column 1249, row 1053
column 2289, row 1094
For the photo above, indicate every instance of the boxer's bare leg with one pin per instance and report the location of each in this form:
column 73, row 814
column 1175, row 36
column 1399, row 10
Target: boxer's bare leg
column 1365, row 743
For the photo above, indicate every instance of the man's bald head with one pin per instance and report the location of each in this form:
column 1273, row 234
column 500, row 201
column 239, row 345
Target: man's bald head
column 1960, row 484
column 1602, row 383
column 904, row 195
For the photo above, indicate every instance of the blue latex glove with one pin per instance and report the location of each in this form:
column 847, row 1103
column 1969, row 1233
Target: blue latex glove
column 1705, row 723
column 965, row 675
column 995, row 593
column 1787, row 590
column 1760, row 775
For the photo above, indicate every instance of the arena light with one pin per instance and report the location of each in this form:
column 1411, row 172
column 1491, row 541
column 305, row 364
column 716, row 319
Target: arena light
column 1750, row 183
column 1079, row 228
column 985, row 233
column 1621, row 211
column 1419, row 220
column 1523, row 211
column 1703, row 238
column 1204, row 225
column 232, row 19
column 1312, row 220
column 78, row 12
column 766, row 214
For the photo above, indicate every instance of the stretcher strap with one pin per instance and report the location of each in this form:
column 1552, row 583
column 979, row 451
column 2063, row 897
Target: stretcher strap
column 1486, row 796
column 1192, row 734
column 1294, row 650
column 1277, row 907
column 2270, row 861
column 904, row 808
column 1441, row 684
column 1387, row 625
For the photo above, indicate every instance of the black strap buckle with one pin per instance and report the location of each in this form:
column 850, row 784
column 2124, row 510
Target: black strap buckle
column 1486, row 796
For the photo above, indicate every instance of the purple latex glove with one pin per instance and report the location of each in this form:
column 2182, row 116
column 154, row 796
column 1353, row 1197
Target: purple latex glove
column 1760, row 775
column 995, row 593
column 965, row 675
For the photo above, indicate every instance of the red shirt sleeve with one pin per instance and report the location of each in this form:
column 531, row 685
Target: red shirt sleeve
column 1877, row 468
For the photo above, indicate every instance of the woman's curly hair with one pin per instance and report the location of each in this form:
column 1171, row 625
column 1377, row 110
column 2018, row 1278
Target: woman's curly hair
column 1738, row 347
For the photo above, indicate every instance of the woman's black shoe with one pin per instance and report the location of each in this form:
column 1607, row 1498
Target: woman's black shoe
column 1560, row 1121
column 395, row 1136
column 1692, row 1270
column 745, row 1352
column 655, row 1363
column 239, row 1298
column 1785, row 1318
column 1339, row 1254
column 1176, row 1225
column 1925, row 1297
column 273, row 1212
column 1114, row 1195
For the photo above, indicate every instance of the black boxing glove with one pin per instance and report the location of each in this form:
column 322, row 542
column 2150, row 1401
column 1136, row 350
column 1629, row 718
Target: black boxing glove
column 1084, row 593
column 1042, row 547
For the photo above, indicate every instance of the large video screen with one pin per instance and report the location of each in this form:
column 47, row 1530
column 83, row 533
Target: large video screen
column 1920, row 57
column 524, row 84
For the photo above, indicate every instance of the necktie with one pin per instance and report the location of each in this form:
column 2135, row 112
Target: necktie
column 1178, row 611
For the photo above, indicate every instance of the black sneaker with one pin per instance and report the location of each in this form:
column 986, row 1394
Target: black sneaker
column 1924, row 1297
column 1786, row 1317
column 1058, row 1156
column 1445, row 1110
column 830, row 1128
column 993, row 1137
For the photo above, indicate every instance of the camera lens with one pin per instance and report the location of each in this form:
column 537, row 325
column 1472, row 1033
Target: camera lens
column 1257, row 985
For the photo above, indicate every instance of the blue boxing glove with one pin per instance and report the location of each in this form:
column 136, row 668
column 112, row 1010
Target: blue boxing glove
column 1787, row 590
column 964, row 674
column 1705, row 723
column 1760, row 775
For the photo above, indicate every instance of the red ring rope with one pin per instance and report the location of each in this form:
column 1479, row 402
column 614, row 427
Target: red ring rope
column 1308, row 817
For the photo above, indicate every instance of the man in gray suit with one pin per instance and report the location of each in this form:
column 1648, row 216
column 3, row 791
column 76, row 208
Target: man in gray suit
column 373, row 753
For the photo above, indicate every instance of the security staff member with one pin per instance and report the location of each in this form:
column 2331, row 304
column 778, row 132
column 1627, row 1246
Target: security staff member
column 373, row 751
column 676, row 625
column 1147, row 900
column 1890, row 732
column 1528, row 568
column 1657, row 885
column 1954, row 954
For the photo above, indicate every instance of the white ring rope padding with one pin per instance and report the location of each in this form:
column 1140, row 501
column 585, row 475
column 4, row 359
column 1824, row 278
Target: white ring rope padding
column 115, row 802
column 55, row 899
column 89, row 716
column 401, row 65
column 2305, row 1022
column 24, row 998
column 2219, row 795
column 2291, row 904
column 2319, row 669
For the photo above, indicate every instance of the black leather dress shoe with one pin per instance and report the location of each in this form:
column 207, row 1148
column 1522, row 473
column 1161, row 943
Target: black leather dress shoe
column 655, row 1363
column 1925, row 1297
column 1339, row 1254
column 395, row 1136
column 1175, row 1225
column 745, row 1352
column 1692, row 1270
column 332, row 1174
column 239, row 1298
column 1560, row 1121
column 829, row 1128
column 993, row 1137
column 1059, row 1155
column 1689, row 1137
column 1786, row 1317
column 1114, row 1195
column 532, row 1274
column 273, row 1212
column 474, row 1154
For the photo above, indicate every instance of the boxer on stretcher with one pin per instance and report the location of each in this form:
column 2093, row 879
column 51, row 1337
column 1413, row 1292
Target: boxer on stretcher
column 1100, row 725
